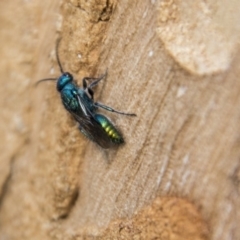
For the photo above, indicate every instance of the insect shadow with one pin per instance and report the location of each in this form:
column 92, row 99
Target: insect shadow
column 79, row 102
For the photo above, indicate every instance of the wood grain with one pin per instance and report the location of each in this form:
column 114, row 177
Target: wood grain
column 183, row 144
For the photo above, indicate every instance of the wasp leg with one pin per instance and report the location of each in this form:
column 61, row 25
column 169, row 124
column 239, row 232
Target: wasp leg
column 86, row 79
column 90, row 91
column 97, row 104
column 87, row 88
column 95, row 81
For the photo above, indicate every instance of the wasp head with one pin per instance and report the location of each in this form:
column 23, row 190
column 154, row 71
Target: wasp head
column 63, row 80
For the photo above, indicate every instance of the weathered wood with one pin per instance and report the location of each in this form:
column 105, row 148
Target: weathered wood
column 177, row 176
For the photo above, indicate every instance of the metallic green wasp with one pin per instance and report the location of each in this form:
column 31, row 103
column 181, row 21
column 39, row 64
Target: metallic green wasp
column 80, row 103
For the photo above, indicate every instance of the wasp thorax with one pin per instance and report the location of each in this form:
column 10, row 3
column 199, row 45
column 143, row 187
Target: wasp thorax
column 63, row 80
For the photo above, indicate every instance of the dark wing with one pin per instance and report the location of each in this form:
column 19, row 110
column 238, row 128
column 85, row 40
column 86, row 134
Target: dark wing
column 90, row 127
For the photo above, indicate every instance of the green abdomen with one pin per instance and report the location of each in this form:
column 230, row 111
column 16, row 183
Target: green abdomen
column 109, row 129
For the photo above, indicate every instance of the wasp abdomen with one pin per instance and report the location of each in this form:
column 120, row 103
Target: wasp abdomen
column 109, row 129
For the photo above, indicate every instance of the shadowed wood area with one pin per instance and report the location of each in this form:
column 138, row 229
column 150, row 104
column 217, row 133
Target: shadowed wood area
column 176, row 65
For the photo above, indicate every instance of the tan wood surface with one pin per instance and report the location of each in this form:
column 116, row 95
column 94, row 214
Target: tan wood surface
column 173, row 63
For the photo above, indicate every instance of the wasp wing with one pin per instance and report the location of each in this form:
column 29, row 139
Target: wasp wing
column 90, row 127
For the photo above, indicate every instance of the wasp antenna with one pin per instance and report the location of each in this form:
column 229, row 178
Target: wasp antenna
column 57, row 55
column 45, row 79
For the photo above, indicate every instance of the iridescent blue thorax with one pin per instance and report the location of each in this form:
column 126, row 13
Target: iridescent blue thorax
column 70, row 94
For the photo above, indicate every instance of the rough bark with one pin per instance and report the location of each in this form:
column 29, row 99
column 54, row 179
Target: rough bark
column 173, row 63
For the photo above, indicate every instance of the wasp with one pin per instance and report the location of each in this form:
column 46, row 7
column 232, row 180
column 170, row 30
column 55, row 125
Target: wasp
column 79, row 102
